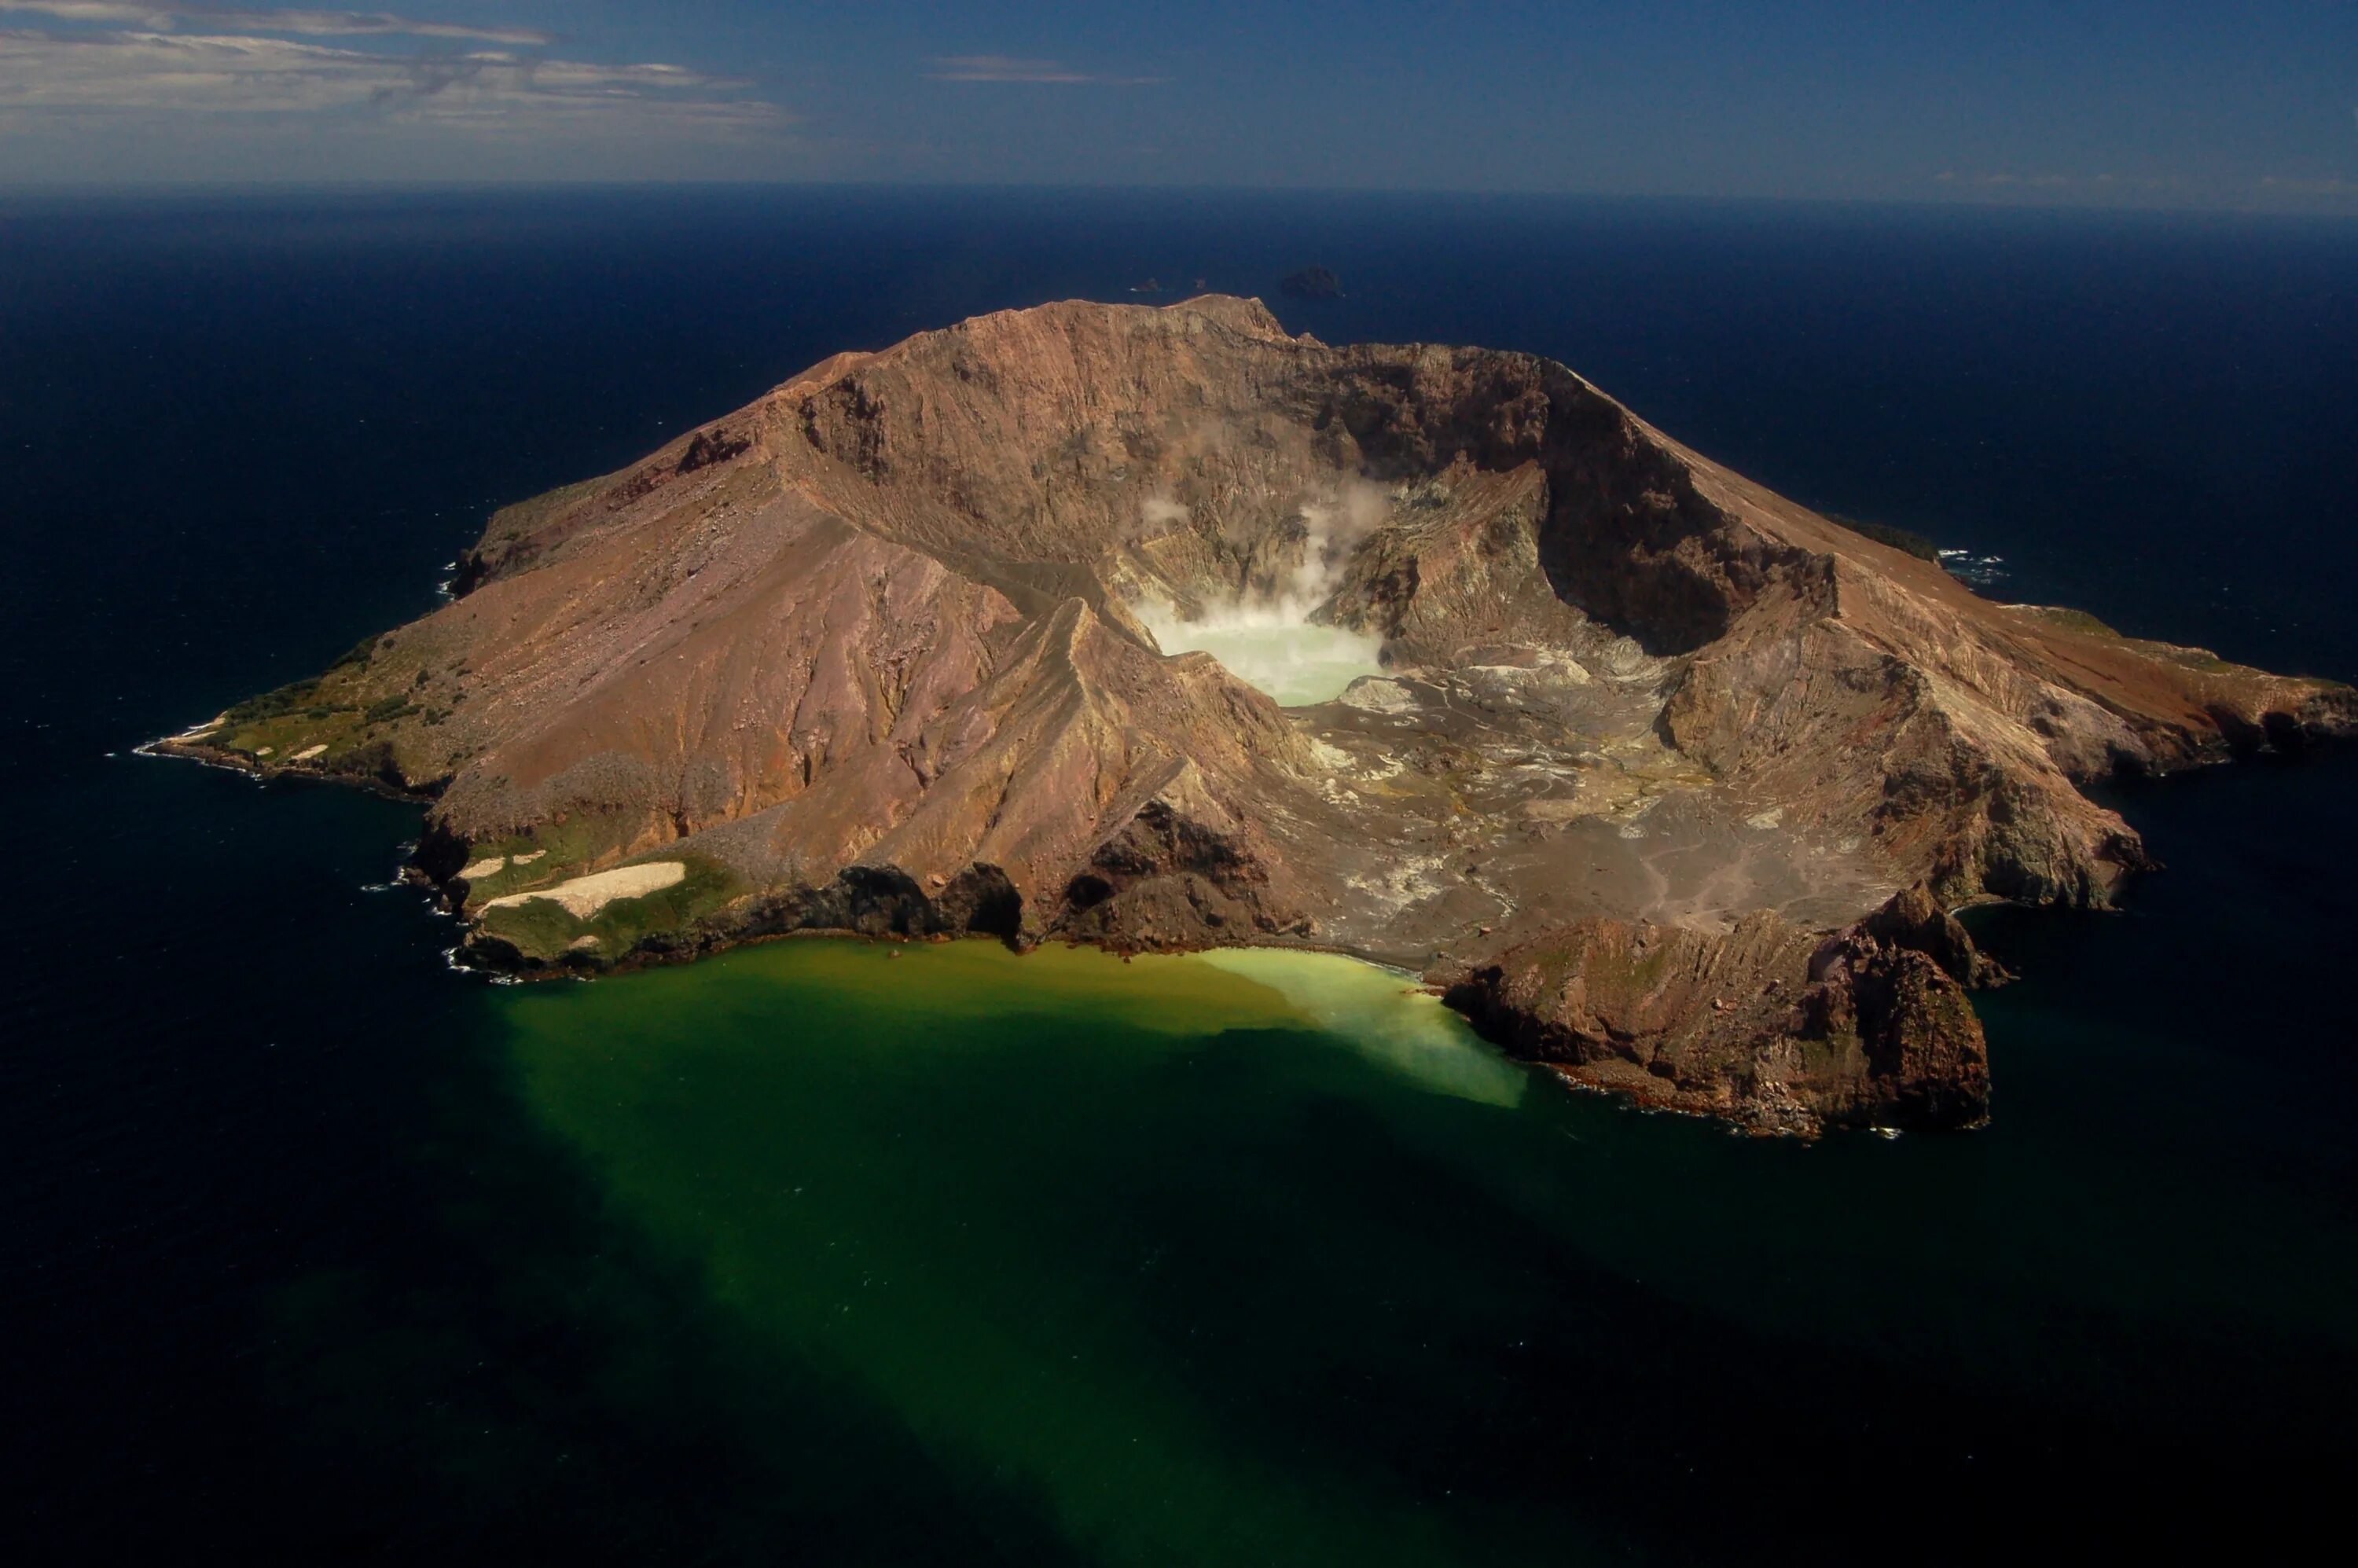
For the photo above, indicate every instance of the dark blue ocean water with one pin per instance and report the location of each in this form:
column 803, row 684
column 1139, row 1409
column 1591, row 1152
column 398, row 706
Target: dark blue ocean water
column 287, row 1268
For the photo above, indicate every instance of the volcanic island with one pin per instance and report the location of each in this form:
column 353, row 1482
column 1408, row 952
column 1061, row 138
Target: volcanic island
column 1661, row 779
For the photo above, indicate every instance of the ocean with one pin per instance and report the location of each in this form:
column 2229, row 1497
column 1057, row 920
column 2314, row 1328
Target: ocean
column 315, row 1250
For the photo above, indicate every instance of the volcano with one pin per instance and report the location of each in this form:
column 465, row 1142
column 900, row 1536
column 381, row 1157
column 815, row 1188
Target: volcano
column 1662, row 779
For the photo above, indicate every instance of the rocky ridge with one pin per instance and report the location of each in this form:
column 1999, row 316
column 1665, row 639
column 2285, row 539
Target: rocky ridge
column 1669, row 782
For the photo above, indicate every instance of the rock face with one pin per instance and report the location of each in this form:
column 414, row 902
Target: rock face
column 1771, row 1026
column 1669, row 780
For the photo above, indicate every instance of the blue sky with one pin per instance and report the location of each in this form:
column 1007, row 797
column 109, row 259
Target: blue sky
column 2225, row 105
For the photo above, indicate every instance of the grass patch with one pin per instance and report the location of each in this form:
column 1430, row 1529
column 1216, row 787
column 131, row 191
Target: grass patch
column 278, row 736
column 361, row 652
column 386, row 709
column 293, row 697
column 2202, row 661
column 2068, row 619
column 541, row 928
column 565, row 849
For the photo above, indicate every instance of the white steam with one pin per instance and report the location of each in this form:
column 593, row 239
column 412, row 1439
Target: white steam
column 1268, row 638
column 1159, row 514
column 1337, row 527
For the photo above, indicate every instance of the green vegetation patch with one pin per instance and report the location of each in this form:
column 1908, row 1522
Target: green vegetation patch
column 386, row 709
column 2069, row 619
column 1900, row 539
column 2202, row 661
column 359, row 654
column 303, row 714
column 293, row 697
column 277, row 725
column 350, row 708
column 561, row 851
column 542, row 928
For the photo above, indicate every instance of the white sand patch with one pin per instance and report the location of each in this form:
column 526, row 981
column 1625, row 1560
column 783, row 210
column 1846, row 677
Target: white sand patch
column 528, row 860
column 207, row 727
column 264, row 751
column 475, row 870
column 585, row 896
column 308, row 752
column 1772, row 817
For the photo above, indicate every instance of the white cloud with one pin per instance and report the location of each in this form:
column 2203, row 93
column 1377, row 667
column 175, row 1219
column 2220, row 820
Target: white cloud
column 1008, row 68
column 169, row 16
column 93, row 11
column 2298, row 185
column 132, row 74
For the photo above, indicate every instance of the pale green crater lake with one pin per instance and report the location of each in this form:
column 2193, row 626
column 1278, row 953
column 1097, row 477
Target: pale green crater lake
column 1295, row 662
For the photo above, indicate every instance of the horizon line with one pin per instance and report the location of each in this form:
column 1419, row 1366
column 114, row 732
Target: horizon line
column 381, row 185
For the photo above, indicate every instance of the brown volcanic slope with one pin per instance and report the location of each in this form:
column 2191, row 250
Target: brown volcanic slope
column 1670, row 781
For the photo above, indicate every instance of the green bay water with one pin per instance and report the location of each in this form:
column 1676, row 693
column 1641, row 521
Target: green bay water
column 1262, row 1257
column 1026, row 1205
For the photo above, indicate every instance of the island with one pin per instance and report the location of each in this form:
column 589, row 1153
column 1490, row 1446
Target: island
column 1661, row 779
column 1311, row 283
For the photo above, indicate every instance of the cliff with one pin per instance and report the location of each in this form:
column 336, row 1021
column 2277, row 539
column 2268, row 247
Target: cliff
column 1668, row 780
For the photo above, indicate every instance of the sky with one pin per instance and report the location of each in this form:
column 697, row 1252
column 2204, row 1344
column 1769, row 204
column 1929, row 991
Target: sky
column 2225, row 105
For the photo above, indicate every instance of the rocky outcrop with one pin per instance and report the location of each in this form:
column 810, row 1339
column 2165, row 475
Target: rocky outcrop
column 1311, row 282
column 1654, row 751
column 1771, row 1027
column 1169, row 879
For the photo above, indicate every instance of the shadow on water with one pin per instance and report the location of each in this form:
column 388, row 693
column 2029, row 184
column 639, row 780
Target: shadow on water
column 311, row 1282
column 516, row 1372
